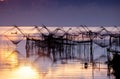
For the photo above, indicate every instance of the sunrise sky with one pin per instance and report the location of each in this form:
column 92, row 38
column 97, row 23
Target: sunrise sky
column 60, row 12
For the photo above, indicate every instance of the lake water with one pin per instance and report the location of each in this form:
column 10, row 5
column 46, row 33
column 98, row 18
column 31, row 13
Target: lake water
column 15, row 65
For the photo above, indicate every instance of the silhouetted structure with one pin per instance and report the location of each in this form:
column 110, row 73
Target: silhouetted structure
column 116, row 65
column 67, row 43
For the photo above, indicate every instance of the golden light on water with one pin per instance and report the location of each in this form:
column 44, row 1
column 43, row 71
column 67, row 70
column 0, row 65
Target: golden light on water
column 26, row 72
column 9, row 60
column 9, row 57
column 25, row 69
column 21, row 72
column 13, row 59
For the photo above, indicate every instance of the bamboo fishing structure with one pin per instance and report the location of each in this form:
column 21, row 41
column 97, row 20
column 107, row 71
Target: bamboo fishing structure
column 66, row 43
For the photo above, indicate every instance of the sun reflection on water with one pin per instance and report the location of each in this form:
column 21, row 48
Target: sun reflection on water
column 26, row 72
column 8, row 58
column 16, row 68
column 21, row 72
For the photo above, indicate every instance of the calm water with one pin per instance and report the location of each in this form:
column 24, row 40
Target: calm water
column 14, row 65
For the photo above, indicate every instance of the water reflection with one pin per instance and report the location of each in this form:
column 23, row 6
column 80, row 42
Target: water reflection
column 21, row 72
column 8, row 58
column 26, row 72
column 50, row 53
column 14, row 65
column 76, row 71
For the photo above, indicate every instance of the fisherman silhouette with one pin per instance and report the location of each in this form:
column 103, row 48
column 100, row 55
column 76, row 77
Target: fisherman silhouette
column 116, row 65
